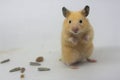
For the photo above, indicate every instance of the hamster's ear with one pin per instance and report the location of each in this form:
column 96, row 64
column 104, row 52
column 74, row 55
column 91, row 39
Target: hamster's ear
column 86, row 10
column 65, row 12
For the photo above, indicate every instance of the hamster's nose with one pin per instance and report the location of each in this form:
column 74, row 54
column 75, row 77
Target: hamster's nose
column 75, row 30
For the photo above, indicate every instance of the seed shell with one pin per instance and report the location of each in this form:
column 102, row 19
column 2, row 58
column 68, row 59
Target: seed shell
column 4, row 61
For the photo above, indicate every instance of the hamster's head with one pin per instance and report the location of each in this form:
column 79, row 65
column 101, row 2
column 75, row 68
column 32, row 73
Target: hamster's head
column 75, row 22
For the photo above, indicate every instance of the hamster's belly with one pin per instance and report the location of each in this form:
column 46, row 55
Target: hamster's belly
column 84, row 50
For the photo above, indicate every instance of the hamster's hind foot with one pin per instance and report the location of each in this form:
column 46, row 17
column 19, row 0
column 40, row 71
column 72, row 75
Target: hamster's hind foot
column 91, row 60
column 75, row 65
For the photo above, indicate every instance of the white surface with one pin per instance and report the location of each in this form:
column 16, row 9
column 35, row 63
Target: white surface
column 29, row 29
column 107, row 67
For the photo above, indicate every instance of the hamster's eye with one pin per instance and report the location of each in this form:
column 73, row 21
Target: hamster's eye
column 70, row 21
column 80, row 21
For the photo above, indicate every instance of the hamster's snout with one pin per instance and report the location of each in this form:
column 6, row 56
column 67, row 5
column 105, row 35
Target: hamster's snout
column 75, row 29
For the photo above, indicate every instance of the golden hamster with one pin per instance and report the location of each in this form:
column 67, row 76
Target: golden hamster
column 77, row 36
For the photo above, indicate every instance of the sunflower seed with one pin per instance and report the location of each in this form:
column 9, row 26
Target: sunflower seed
column 34, row 64
column 15, row 69
column 43, row 69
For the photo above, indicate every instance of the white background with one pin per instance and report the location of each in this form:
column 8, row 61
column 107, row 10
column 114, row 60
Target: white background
column 32, row 28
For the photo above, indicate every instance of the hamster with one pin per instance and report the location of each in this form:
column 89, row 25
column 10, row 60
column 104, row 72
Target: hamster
column 77, row 36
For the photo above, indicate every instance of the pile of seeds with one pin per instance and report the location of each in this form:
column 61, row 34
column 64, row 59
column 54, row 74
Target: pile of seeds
column 37, row 63
column 22, row 69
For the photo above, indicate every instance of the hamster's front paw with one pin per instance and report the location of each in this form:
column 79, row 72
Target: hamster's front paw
column 73, row 40
column 86, row 38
